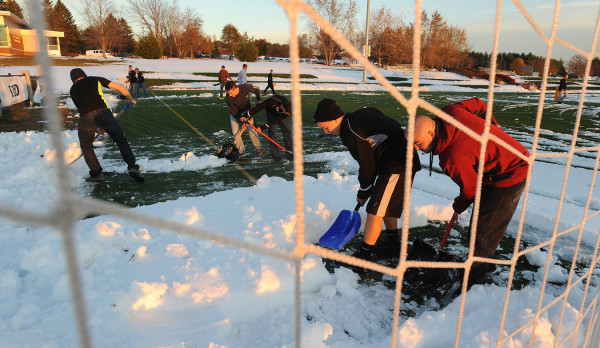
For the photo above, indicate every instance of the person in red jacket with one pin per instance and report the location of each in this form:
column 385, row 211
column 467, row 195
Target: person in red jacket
column 503, row 179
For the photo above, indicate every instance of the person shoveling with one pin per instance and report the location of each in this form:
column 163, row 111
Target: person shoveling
column 230, row 152
column 503, row 180
column 278, row 111
column 378, row 144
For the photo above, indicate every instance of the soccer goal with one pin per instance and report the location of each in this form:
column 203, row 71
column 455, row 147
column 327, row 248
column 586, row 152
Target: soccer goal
column 584, row 330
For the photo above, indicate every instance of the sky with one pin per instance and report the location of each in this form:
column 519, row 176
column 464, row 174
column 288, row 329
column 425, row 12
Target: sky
column 148, row 287
column 266, row 19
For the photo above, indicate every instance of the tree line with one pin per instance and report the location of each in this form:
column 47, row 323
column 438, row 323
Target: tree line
column 168, row 29
column 517, row 62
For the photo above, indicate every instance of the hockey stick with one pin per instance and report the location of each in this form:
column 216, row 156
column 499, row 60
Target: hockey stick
column 271, row 140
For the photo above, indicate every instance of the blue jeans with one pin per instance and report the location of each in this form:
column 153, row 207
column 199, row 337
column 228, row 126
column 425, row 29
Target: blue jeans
column 142, row 86
column 133, row 89
column 222, row 88
column 86, row 130
column 236, row 128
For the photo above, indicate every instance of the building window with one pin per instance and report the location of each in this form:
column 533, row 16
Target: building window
column 3, row 36
column 52, row 43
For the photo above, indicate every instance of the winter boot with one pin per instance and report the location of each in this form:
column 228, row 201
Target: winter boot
column 99, row 177
column 134, row 172
column 391, row 248
column 365, row 252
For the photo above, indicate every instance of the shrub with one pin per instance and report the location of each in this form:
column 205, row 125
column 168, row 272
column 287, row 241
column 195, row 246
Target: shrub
column 149, row 47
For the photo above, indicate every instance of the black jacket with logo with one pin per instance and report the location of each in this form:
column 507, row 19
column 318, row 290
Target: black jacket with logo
column 376, row 142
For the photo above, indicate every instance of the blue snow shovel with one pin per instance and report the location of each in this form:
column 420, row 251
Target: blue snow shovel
column 343, row 229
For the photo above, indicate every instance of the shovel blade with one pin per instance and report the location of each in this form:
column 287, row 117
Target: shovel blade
column 343, row 229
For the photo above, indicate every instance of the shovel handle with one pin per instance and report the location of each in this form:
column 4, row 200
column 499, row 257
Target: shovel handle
column 450, row 224
column 357, row 207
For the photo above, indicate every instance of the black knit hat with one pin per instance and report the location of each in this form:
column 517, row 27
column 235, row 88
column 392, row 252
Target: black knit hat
column 327, row 110
column 77, row 73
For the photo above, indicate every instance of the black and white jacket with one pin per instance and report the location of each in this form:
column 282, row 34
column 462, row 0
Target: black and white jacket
column 376, row 142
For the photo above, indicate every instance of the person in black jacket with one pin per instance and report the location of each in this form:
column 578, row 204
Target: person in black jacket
column 133, row 82
column 562, row 88
column 87, row 95
column 278, row 110
column 378, row 144
column 238, row 104
column 270, row 83
column 141, row 83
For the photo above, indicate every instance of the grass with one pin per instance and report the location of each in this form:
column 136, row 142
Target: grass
column 263, row 75
column 30, row 61
column 156, row 132
column 167, row 82
column 390, row 78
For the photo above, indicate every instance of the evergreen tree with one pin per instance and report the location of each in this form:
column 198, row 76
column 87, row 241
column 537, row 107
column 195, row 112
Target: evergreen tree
column 65, row 22
column 13, row 7
column 127, row 41
column 149, row 47
column 247, row 52
column 49, row 15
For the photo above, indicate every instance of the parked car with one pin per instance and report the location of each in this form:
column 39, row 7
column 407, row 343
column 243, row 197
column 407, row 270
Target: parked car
column 97, row 53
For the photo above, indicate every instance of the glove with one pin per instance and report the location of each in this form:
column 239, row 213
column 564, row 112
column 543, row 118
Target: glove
column 460, row 205
column 264, row 127
column 364, row 194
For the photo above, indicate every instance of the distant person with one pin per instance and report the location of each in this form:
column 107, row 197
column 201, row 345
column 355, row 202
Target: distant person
column 270, row 83
column 238, row 104
column 133, row 83
column 141, row 82
column 87, row 95
column 378, row 144
column 562, row 88
column 243, row 75
column 278, row 111
column 503, row 179
column 223, row 76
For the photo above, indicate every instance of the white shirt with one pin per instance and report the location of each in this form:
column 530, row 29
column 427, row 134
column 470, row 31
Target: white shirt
column 242, row 77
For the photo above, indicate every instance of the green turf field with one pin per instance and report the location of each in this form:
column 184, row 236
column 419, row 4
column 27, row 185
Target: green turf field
column 178, row 122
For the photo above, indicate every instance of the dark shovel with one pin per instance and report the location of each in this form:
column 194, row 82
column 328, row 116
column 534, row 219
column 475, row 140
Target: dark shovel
column 343, row 229
column 423, row 251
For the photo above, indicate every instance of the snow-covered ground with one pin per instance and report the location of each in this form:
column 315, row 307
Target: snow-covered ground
column 148, row 287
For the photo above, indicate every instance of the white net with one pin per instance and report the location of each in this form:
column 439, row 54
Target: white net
column 69, row 207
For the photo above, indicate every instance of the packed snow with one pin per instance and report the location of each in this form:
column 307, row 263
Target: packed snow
column 148, row 287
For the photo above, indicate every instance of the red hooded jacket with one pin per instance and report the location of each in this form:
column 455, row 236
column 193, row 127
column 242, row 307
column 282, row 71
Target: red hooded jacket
column 459, row 153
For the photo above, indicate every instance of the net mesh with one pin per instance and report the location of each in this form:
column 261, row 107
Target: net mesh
column 69, row 207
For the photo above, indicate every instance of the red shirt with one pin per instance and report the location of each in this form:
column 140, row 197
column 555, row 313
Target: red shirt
column 459, row 153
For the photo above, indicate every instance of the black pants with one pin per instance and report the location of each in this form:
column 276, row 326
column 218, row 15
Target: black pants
column 270, row 85
column 86, row 130
column 497, row 207
column 286, row 130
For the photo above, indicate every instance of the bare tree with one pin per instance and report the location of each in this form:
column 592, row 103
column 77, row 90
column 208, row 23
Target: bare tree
column 190, row 29
column 341, row 15
column 95, row 13
column 432, row 32
column 152, row 14
column 576, row 65
column 382, row 19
